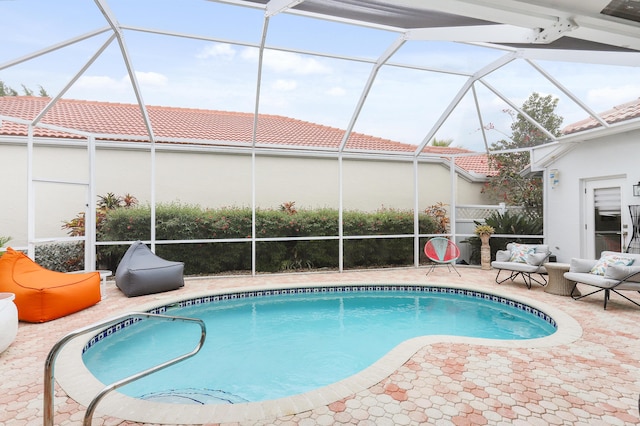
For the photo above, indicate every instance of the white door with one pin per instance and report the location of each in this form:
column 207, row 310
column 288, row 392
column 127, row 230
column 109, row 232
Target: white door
column 603, row 217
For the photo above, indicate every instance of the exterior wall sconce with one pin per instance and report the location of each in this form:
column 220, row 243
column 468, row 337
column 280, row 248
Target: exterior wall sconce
column 636, row 190
column 554, row 178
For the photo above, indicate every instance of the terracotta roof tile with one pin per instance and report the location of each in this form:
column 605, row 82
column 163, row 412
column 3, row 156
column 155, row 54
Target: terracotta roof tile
column 477, row 164
column 104, row 118
column 618, row 113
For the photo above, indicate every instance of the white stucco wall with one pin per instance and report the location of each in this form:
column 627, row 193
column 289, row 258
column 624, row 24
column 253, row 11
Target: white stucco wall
column 211, row 180
column 606, row 158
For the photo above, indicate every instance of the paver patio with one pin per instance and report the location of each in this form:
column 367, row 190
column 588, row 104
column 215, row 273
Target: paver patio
column 595, row 380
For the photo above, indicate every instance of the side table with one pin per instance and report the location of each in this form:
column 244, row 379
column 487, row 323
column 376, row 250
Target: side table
column 558, row 284
column 104, row 274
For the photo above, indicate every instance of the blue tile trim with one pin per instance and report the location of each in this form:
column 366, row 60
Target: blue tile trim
column 328, row 289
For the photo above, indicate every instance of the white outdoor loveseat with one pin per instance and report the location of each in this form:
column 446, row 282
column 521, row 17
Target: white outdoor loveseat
column 614, row 271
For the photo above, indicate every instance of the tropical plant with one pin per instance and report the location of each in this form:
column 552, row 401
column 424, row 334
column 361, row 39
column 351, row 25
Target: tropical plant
column 129, row 200
column 506, row 223
column 441, row 142
column 289, row 207
column 514, row 224
column 440, row 215
column 3, row 241
column 484, row 230
column 109, row 201
column 76, row 226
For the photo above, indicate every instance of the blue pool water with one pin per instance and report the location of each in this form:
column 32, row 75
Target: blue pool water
column 261, row 348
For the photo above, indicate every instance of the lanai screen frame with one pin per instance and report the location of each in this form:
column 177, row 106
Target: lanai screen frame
column 271, row 9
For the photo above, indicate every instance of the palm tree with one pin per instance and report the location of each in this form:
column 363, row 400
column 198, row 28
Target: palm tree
column 441, row 142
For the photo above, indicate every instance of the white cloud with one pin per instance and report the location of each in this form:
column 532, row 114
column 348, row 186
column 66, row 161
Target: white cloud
column 97, row 82
column 285, row 85
column 336, row 91
column 287, row 62
column 150, row 78
column 217, row 50
column 105, row 82
column 605, row 98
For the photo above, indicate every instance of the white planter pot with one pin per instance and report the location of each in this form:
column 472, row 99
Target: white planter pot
column 8, row 320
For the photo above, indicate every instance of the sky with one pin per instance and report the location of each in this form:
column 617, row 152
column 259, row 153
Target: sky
column 403, row 105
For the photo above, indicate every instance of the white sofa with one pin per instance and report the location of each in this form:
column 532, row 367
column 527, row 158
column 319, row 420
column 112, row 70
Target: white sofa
column 616, row 278
column 533, row 264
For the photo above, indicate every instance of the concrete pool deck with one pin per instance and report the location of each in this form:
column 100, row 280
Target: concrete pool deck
column 592, row 378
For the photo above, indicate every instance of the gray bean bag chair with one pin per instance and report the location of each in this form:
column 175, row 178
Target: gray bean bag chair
column 141, row 272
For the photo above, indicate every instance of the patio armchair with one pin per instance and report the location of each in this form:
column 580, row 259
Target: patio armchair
column 442, row 251
column 522, row 260
column 613, row 272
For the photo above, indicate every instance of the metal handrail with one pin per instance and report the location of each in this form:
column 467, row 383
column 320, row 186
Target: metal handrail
column 49, row 382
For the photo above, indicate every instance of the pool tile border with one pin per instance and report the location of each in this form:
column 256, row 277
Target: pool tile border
column 354, row 288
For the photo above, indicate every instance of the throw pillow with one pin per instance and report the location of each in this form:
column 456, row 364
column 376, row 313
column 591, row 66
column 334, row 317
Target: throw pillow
column 607, row 260
column 536, row 259
column 520, row 252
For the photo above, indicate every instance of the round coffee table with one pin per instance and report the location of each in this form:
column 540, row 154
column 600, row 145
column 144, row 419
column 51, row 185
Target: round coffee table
column 558, row 284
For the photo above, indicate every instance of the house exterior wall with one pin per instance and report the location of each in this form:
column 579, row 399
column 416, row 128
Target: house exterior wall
column 210, row 180
column 605, row 158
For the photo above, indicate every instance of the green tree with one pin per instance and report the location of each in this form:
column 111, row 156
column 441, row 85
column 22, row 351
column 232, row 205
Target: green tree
column 9, row 91
column 6, row 90
column 27, row 91
column 512, row 185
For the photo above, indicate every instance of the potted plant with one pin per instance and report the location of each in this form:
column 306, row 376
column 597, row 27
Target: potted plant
column 484, row 232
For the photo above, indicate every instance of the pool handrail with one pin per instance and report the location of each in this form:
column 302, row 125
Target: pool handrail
column 49, row 379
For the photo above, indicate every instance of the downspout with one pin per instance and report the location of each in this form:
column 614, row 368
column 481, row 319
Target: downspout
column 90, row 214
column 416, row 215
column 454, row 192
column 31, row 205
column 340, row 215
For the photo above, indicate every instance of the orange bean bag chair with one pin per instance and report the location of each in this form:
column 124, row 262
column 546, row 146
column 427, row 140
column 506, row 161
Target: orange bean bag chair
column 43, row 295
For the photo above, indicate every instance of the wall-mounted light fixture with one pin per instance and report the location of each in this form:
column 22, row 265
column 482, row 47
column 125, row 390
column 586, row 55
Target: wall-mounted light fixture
column 636, row 190
column 554, row 178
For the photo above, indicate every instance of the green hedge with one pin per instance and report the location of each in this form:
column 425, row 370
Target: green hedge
column 179, row 222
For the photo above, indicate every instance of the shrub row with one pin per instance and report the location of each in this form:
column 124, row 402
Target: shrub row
column 179, row 222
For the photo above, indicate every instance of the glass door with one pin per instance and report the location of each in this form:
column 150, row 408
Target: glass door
column 603, row 221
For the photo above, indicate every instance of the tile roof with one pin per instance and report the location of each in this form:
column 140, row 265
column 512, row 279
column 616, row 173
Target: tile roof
column 618, row 113
column 113, row 120
column 477, row 164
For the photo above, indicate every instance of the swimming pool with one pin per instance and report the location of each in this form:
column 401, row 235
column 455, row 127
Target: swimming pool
column 271, row 344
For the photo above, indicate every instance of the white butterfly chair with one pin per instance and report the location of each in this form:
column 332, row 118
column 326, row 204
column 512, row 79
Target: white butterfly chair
column 442, row 251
